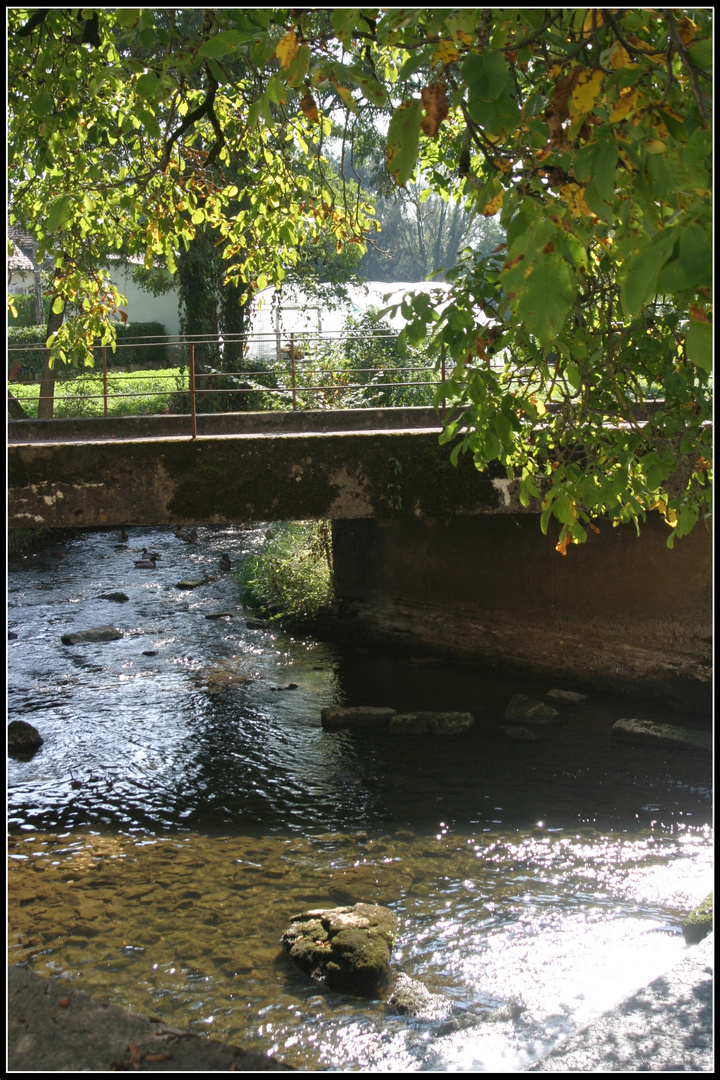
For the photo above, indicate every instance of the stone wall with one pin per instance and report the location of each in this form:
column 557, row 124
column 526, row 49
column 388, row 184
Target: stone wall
column 618, row 609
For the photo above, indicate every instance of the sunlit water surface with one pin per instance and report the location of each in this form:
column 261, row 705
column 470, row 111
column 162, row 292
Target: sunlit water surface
column 186, row 802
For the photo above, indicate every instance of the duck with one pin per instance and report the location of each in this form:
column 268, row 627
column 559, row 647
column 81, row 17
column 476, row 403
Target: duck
column 150, row 554
column 224, row 562
column 188, row 535
column 145, row 564
column 123, row 536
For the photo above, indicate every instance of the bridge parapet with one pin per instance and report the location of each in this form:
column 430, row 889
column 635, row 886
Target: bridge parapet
column 225, row 478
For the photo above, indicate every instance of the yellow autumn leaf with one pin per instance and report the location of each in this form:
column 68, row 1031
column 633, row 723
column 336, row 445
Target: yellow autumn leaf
column 620, row 58
column 494, row 205
column 287, row 49
column 687, row 30
column 585, row 93
column 625, row 105
column 555, row 71
column 655, row 146
column 573, row 195
column 446, row 53
column 588, row 24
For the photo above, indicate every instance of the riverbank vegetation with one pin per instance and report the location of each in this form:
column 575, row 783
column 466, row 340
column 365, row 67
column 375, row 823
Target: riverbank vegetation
column 585, row 134
column 290, row 577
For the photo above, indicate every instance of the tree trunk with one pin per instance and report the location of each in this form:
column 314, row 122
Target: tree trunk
column 47, row 378
column 15, row 409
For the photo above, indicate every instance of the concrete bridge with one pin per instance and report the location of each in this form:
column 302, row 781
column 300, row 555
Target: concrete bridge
column 425, row 554
column 364, row 463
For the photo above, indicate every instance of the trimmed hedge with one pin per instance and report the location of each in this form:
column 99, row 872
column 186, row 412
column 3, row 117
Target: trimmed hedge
column 26, row 364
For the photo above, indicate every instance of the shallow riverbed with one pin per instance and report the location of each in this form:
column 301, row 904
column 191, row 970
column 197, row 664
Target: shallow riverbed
column 186, row 802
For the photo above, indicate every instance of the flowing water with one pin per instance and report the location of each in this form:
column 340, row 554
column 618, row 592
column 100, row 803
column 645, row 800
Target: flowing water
column 186, row 803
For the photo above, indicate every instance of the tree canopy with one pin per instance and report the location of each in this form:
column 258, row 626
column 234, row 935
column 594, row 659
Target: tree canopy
column 580, row 349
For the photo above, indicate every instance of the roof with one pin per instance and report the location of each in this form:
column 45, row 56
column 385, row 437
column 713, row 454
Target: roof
column 19, row 261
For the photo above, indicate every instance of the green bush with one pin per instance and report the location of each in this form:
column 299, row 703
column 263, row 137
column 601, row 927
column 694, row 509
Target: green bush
column 369, row 366
column 26, row 363
column 291, row 576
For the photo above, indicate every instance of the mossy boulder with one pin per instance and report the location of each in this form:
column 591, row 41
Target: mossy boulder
column 348, row 948
column 699, row 922
column 526, row 710
column 359, row 716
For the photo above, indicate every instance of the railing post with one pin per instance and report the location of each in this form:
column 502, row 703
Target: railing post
column 191, row 368
column 292, row 369
column 442, row 376
column 104, row 349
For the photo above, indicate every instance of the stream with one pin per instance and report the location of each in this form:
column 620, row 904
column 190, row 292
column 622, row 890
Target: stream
column 186, row 803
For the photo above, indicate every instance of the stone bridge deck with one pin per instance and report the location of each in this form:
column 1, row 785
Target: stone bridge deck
column 364, row 463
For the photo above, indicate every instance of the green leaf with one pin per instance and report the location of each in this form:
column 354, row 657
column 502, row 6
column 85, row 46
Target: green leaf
column 403, row 141
column 43, row 103
column 641, row 275
column 486, row 74
column 605, row 164
column 701, row 53
column 572, row 372
column 344, row 21
column 696, row 256
column 58, row 305
column 698, row 344
column 222, row 44
column 546, row 306
column 147, row 85
column 59, row 214
column 127, row 17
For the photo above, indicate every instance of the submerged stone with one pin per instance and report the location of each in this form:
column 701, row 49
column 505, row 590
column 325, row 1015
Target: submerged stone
column 97, row 633
column 699, row 922
column 431, row 723
column 650, row 732
column 116, row 597
column 347, row 947
column 526, row 710
column 356, row 716
column 517, row 733
column 23, row 739
column 566, row 695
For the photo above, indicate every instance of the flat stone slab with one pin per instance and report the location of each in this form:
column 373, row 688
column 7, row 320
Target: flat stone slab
column 526, row 710
column 571, row 696
column 665, row 1027
column 53, row 1027
column 649, row 732
column 355, row 716
column 431, row 723
column 96, row 633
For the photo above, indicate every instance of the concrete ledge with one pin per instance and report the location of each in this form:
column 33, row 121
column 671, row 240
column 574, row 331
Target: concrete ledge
column 665, row 1027
column 91, row 428
column 53, row 1027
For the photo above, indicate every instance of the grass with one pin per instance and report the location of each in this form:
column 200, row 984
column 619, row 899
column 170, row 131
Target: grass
column 137, row 393
column 290, row 579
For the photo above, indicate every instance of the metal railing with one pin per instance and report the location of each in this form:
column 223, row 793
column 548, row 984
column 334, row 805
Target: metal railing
column 309, row 370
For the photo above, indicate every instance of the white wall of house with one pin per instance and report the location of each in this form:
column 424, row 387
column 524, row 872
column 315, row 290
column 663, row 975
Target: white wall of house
column 143, row 306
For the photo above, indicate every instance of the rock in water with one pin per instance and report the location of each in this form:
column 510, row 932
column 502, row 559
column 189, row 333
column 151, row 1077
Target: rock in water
column 22, row 739
column 650, row 732
column 97, row 633
column 526, row 710
column 699, row 922
column 348, row 947
column 359, row 716
column 431, row 723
